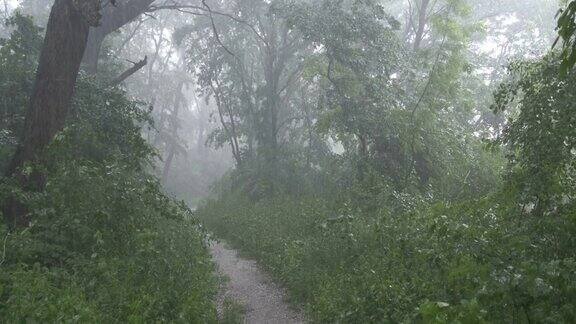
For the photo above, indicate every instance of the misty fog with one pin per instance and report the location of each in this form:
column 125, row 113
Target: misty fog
column 288, row 161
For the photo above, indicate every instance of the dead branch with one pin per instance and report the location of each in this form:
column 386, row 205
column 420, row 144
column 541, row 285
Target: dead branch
column 137, row 66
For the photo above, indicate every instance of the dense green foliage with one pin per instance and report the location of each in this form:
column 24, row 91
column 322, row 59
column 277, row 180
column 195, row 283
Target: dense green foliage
column 541, row 135
column 388, row 166
column 105, row 245
column 474, row 262
column 413, row 218
column 309, row 76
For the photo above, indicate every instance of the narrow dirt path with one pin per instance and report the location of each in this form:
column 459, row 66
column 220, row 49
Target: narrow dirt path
column 263, row 300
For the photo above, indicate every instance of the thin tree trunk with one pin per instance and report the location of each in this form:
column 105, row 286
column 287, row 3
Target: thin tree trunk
column 168, row 164
column 231, row 136
column 62, row 51
column 422, row 21
column 234, row 135
column 178, row 101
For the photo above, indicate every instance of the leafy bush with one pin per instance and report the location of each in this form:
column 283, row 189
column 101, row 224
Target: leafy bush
column 541, row 134
column 106, row 237
column 105, row 245
column 18, row 59
column 479, row 261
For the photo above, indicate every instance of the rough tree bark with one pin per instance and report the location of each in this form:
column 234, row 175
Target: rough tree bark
column 62, row 51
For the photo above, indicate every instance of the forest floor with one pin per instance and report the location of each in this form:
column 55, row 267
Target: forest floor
column 247, row 285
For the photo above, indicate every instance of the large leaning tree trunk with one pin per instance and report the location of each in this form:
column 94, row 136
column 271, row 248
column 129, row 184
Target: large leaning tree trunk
column 62, row 51
column 113, row 18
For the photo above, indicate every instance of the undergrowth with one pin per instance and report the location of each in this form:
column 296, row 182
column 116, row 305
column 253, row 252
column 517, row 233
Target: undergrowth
column 474, row 262
column 104, row 245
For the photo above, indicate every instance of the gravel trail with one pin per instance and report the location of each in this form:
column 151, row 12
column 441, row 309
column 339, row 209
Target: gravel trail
column 263, row 300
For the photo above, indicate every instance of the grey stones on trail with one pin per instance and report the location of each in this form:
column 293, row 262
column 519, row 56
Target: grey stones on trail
column 262, row 299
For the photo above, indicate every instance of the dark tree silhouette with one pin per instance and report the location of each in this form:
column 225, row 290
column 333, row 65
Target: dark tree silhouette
column 60, row 59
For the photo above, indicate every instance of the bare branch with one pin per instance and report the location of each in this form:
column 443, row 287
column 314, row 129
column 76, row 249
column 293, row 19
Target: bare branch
column 206, row 11
column 137, row 66
column 216, row 35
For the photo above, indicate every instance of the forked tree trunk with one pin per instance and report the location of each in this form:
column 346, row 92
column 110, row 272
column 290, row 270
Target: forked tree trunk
column 113, row 18
column 60, row 59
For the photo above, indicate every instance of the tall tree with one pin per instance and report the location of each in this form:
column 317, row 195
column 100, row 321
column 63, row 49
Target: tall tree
column 253, row 65
column 62, row 51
